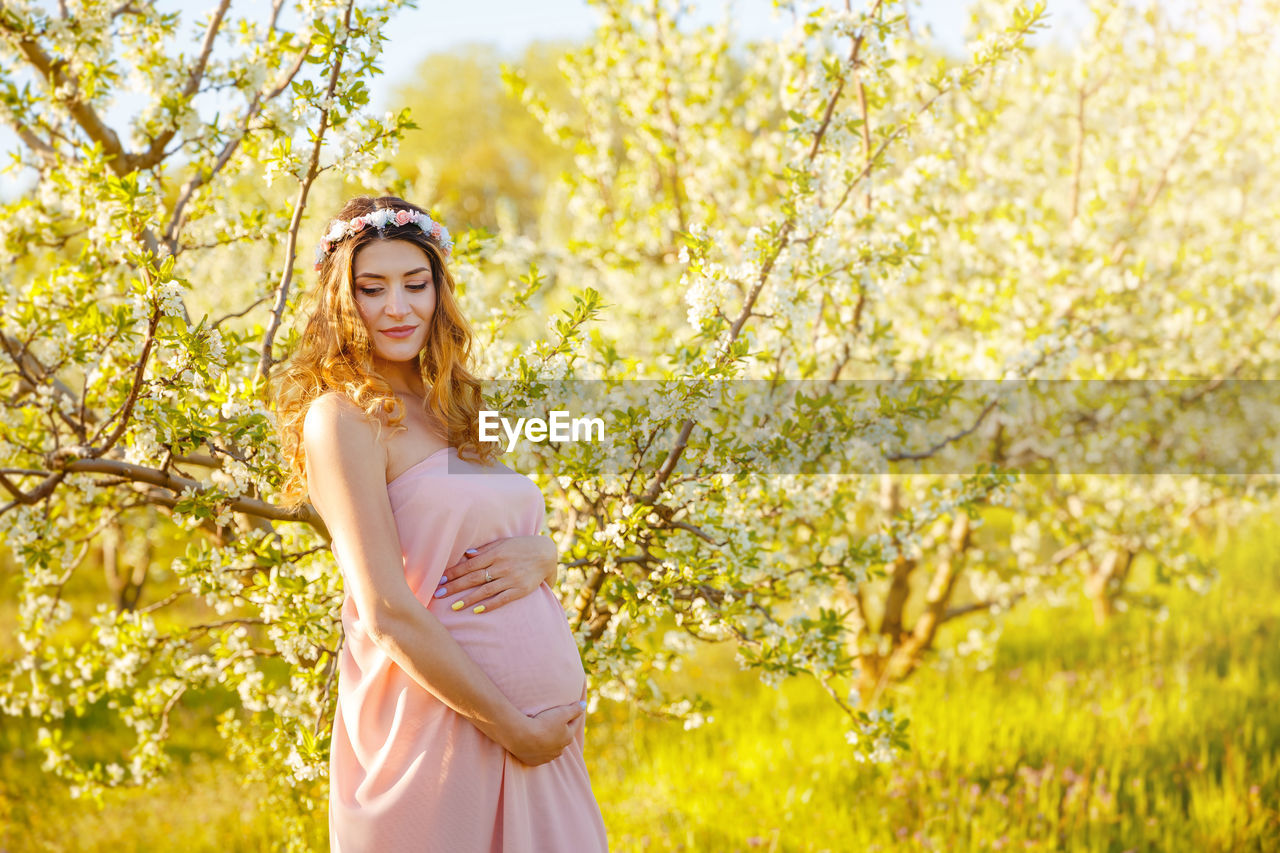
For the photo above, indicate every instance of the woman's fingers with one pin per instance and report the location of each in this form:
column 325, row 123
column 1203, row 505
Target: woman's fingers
column 471, row 559
column 487, row 597
column 505, row 596
column 479, row 597
column 493, row 574
column 465, row 574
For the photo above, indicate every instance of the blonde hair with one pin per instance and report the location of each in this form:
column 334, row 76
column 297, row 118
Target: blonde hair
column 335, row 353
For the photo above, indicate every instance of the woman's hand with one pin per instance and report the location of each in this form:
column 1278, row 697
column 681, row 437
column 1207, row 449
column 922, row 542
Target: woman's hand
column 500, row 572
column 546, row 735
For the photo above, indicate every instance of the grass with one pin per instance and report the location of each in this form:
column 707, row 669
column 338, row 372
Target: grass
column 1144, row 735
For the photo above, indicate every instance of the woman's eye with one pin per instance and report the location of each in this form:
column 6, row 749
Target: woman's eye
column 413, row 285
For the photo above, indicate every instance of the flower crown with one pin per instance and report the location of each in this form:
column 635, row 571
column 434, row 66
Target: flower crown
column 341, row 229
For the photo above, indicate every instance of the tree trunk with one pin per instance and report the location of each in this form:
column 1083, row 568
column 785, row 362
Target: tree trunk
column 897, row 650
column 950, row 566
column 1105, row 582
column 125, row 582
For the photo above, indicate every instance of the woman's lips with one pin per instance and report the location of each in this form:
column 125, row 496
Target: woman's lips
column 399, row 333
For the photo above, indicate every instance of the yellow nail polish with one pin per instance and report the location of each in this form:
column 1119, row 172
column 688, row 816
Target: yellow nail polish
column 479, row 609
column 458, row 605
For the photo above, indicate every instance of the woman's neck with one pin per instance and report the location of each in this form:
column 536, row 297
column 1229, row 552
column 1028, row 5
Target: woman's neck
column 402, row 377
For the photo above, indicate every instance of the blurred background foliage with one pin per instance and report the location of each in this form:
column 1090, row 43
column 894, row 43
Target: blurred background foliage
column 477, row 152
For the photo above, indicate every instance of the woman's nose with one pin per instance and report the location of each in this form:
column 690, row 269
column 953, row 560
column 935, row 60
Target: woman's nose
column 397, row 305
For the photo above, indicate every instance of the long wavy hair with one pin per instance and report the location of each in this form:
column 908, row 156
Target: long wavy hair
column 335, row 353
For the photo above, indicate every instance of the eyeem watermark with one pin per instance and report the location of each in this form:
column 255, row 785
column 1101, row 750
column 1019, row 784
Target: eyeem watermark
column 1028, row 427
column 560, row 428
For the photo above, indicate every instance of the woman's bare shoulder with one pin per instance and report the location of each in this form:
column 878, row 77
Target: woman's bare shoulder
column 332, row 404
column 335, row 427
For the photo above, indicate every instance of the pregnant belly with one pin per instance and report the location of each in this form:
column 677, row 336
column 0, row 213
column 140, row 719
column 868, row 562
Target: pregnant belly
column 526, row 647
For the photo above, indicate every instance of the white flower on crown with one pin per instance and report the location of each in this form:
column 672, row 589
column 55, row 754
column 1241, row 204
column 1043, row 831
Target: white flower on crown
column 380, row 219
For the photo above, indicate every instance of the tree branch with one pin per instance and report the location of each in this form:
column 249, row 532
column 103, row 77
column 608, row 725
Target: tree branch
column 291, row 242
column 177, row 484
column 156, row 152
column 55, row 78
column 987, row 604
column 126, row 409
column 203, row 176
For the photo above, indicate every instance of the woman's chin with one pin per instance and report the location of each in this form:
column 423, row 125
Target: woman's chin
column 405, row 351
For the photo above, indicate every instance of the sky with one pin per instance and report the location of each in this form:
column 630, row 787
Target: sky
column 509, row 25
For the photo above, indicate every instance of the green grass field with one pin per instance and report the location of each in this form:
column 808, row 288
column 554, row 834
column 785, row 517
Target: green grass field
column 1145, row 735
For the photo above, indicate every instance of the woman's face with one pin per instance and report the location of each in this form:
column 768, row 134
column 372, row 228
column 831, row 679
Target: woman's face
column 396, row 295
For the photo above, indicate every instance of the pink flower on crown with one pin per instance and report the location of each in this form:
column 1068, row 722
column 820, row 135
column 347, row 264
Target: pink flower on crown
column 339, row 230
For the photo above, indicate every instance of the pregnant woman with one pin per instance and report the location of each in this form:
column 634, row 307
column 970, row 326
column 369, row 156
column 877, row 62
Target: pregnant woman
column 460, row 718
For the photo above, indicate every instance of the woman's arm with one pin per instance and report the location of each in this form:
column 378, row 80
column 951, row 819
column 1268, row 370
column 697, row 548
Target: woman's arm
column 349, row 491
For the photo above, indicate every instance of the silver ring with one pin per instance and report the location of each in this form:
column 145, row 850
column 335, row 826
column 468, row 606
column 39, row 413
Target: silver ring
column 487, row 577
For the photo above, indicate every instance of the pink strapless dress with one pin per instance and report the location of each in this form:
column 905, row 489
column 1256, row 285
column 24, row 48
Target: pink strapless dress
column 408, row 773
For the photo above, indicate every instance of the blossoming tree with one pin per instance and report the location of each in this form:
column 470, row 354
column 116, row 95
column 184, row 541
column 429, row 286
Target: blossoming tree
column 966, row 233
column 130, row 416
column 828, row 206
